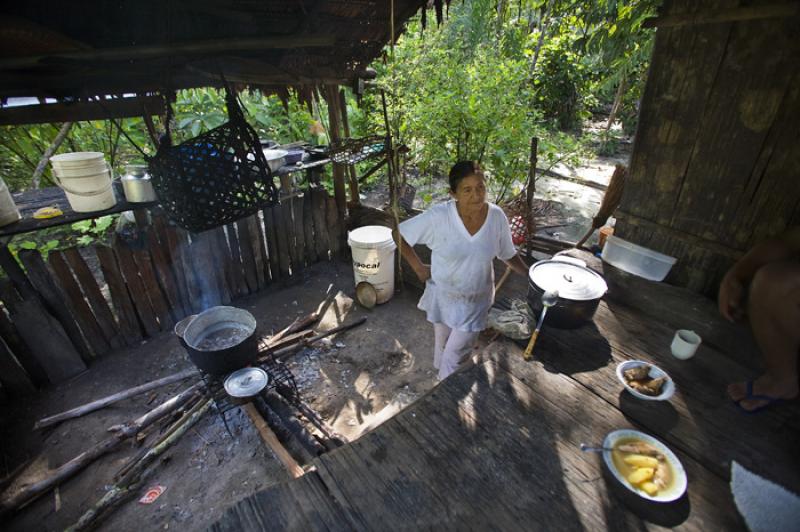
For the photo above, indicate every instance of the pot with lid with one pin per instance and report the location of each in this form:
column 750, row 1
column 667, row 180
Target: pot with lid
column 221, row 339
column 579, row 290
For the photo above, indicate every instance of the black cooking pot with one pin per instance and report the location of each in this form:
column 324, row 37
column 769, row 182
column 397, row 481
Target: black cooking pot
column 580, row 290
column 221, row 339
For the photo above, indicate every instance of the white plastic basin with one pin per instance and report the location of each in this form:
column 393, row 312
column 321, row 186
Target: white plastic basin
column 637, row 260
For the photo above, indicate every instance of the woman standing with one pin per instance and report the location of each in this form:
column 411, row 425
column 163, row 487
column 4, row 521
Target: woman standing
column 465, row 235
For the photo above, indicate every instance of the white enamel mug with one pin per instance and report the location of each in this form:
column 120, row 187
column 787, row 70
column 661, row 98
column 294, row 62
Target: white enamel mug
column 685, row 344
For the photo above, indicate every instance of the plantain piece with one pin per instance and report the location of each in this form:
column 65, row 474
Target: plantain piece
column 650, row 488
column 638, row 373
column 640, row 460
column 641, row 475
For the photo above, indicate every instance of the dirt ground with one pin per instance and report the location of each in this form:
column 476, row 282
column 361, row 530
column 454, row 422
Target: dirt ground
column 355, row 380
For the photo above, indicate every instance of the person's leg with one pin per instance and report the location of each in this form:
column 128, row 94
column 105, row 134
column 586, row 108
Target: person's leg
column 456, row 354
column 441, row 333
column 774, row 315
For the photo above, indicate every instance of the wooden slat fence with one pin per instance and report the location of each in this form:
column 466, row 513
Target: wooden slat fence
column 142, row 288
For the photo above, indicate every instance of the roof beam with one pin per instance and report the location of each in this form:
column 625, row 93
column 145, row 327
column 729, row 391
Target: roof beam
column 157, row 51
column 73, row 112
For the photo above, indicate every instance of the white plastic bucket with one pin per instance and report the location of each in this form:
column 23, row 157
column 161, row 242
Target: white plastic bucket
column 9, row 213
column 86, row 181
column 373, row 251
column 78, row 160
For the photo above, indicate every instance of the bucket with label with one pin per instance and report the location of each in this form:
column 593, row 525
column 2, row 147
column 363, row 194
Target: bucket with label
column 373, row 251
column 86, row 180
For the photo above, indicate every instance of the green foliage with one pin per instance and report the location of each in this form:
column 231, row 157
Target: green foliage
column 93, row 230
column 496, row 74
column 561, row 81
column 43, row 245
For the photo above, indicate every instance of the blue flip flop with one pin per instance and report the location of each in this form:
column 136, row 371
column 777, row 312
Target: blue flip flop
column 750, row 396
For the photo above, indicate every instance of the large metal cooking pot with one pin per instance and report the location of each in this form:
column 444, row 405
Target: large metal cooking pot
column 579, row 290
column 221, row 339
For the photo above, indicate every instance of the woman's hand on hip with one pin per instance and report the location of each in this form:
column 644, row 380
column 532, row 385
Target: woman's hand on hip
column 423, row 272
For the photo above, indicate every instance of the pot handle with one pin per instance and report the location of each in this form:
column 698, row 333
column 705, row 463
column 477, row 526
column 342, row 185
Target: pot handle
column 566, row 258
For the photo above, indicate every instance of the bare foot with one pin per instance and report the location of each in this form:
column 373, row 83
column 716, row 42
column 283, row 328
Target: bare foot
column 765, row 386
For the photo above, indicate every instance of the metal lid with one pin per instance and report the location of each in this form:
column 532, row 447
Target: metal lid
column 572, row 281
column 366, row 294
column 135, row 172
column 246, row 382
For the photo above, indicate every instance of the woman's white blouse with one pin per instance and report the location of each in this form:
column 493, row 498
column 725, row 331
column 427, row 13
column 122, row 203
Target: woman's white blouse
column 461, row 288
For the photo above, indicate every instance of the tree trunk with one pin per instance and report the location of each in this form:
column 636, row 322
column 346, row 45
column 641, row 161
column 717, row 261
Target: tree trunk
column 617, row 102
column 37, row 174
column 542, row 31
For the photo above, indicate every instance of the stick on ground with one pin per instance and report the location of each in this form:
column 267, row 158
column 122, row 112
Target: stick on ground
column 134, row 478
column 111, row 399
column 271, row 440
column 12, row 502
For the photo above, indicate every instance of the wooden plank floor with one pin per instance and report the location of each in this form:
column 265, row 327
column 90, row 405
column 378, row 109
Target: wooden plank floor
column 497, row 446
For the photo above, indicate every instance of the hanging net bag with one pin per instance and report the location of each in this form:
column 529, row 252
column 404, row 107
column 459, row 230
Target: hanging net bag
column 215, row 178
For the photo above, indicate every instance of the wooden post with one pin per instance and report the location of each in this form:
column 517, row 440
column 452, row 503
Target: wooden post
column 299, row 231
column 335, row 120
column 529, row 190
column 308, row 228
column 354, row 198
column 393, row 174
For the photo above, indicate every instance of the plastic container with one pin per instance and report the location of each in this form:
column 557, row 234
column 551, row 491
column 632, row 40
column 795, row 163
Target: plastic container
column 9, row 213
column 86, row 180
column 373, row 251
column 636, row 259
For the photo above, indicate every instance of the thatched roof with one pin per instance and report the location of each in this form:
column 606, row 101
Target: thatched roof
column 84, row 48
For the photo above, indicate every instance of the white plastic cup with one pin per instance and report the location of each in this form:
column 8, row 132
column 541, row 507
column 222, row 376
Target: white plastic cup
column 373, row 251
column 685, row 344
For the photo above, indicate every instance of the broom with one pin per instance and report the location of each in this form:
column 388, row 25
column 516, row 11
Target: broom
column 610, row 202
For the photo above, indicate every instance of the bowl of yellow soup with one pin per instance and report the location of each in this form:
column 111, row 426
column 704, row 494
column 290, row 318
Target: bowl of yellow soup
column 644, row 465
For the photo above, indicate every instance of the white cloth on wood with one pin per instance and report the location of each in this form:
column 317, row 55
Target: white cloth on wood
column 461, row 288
column 764, row 505
column 451, row 349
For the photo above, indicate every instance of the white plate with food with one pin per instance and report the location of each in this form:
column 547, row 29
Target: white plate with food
column 644, row 465
column 645, row 381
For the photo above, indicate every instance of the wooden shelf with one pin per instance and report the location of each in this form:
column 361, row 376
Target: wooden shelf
column 32, row 200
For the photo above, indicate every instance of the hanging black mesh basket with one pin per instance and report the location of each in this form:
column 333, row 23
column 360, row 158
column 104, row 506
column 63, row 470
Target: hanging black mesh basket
column 215, row 178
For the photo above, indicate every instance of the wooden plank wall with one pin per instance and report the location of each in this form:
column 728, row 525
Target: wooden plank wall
column 142, row 288
column 716, row 162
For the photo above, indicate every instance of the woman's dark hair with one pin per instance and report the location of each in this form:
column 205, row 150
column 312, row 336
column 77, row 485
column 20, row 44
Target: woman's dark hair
column 463, row 169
